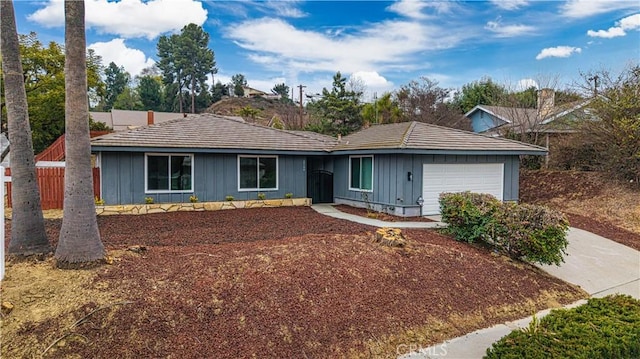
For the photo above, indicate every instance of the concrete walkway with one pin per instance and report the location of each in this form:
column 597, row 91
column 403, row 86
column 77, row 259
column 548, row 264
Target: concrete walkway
column 331, row 211
column 596, row 264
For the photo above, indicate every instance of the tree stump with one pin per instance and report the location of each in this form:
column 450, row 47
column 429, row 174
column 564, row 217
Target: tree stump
column 391, row 237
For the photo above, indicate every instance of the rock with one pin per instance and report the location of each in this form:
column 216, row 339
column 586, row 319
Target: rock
column 137, row 249
column 7, row 307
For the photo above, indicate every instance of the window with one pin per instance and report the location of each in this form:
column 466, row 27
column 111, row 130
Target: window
column 169, row 173
column 257, row 173
column 361, row 173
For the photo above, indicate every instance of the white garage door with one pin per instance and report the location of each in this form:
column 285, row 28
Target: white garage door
column 476, row 177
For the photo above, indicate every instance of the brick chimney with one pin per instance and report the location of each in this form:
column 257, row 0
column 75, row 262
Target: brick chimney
column 149, row 118
column 546, row 102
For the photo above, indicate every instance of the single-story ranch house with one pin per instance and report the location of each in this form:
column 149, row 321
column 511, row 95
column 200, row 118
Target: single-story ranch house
column 398, row 168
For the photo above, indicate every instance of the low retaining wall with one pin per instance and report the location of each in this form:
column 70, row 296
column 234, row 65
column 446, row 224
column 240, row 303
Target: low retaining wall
column 199, row 206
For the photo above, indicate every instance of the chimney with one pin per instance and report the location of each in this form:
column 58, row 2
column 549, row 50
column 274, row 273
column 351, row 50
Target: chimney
column 339, row 137
column 149, row 118
column 546, row 102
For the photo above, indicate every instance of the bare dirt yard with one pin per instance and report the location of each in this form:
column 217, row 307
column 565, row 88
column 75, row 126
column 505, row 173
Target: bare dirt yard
column 264, row 283
column 590, row 200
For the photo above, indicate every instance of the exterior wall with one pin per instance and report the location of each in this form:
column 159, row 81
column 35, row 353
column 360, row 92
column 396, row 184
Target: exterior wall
column 394, row 193
column 482, row 121
column 215, row 177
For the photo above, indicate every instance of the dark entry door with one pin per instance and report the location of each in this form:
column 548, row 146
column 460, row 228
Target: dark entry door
column 320, row 186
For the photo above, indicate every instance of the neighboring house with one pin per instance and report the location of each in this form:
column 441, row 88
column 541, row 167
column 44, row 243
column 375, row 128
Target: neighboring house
column 546, row 125
column 399, row 168
column 121, row 120
column 251, row 92
column 546, row 118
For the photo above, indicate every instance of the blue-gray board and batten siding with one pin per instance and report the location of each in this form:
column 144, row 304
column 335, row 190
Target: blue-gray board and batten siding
column 215, row 178
column 393, row 192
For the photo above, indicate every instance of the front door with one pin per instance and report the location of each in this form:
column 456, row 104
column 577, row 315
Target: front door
column 320, row 186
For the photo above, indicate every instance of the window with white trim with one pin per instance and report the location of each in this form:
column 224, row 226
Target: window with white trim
column 361, row 173
column 168, row 172
column 257, row 173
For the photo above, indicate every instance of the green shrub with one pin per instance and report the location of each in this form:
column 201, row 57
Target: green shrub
column 603, row 328
column 524, row 232
column 262, row 196
column 530, row 233
column 468, row 214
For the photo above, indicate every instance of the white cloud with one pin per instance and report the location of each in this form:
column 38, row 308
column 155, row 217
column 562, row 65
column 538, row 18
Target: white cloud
column 415, row 9
column 411, row 9
column 524, row 84
column 508, row 30
column 510, row 4
column 374, row 82
column 586, row 8
column 133, row 60
column 370, row 78
column 281, row 8
column 607, row 34
column 628, row 23
column 380, row 46
column 558, row 51
column 128, row 18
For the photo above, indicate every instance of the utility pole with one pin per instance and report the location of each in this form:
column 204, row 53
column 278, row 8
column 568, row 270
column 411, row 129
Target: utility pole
column 301, row 107
column 375, row 105
column 595, row 79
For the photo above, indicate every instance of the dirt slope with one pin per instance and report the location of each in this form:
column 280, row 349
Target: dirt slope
column 289, row 114
column 591, row 201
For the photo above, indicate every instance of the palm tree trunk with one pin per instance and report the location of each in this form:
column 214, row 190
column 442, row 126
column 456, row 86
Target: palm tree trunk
column 79, row 236
column 28, row 235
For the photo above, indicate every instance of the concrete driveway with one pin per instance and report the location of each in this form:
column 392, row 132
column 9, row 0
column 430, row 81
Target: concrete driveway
column 598, row 265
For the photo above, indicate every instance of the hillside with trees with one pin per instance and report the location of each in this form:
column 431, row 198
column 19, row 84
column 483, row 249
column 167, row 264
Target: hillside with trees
column 267, row 112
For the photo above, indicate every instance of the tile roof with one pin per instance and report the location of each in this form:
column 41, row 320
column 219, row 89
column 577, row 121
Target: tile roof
column 423, row 136
column 209, row 131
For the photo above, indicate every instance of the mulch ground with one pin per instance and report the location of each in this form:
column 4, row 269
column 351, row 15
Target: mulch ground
column 363, row 212
column 284, row 283
column 543, row 187
column 606, row 230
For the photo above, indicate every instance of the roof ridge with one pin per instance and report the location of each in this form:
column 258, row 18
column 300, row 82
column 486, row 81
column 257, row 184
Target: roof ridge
column 485, row 136
column 274, row 129
column 407, row 134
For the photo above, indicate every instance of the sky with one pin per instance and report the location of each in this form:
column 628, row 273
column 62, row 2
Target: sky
column 384, row 45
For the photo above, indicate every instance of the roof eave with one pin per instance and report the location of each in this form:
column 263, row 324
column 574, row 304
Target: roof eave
column 410, row 151
column 207, row 150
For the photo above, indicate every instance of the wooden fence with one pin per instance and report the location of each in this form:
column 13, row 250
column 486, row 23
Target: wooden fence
column 51, row 184
column 55, row 151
